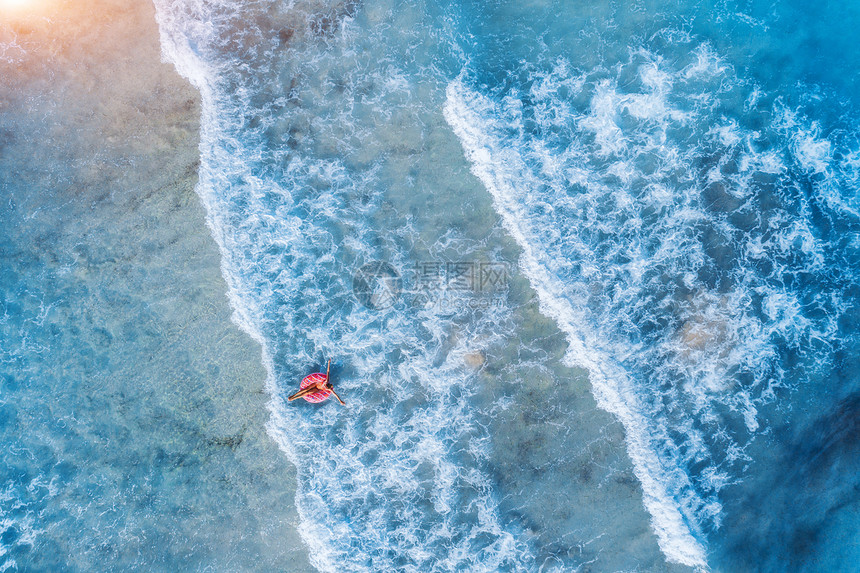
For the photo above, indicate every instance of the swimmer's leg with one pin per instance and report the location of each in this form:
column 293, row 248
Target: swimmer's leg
column 303, row 392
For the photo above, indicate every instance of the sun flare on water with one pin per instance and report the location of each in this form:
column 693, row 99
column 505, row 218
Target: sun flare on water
column 17, row 5
column 17, row 11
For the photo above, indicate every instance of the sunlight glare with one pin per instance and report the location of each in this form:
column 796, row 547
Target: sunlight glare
column 15, row 5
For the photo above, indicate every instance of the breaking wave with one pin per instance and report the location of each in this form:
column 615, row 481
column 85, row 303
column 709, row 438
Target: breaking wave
column 685, row 248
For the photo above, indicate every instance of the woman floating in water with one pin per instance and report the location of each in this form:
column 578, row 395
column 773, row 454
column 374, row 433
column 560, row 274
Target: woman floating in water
column 316, row 388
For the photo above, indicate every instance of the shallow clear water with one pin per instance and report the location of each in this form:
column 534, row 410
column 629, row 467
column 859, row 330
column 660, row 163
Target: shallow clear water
column 132, row 411
column 129, row 426
column 616, row 323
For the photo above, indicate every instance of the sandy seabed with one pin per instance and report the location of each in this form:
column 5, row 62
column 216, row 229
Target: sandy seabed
column 143, row 403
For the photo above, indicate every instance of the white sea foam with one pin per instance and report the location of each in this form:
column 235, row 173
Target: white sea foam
column 657, row 227
column 652, row 241
column 468, row 113
column 19, row 508
column 396, row 480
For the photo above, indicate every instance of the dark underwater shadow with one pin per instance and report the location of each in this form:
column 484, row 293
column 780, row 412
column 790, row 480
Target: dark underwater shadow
column 788, row 518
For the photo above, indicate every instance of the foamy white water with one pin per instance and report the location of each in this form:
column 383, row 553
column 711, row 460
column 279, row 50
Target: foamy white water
column 623, row 187
column 656, row 230
column 468, row 113
column 395, row 480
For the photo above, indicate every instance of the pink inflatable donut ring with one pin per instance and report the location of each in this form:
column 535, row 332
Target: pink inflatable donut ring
column 319, row 395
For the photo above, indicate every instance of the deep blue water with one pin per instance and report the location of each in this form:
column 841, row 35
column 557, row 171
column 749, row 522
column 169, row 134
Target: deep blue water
column 659, row 371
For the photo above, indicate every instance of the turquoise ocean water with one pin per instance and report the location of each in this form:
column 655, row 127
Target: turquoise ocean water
column 589, row 275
